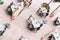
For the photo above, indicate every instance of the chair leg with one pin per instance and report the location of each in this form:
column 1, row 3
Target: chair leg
column 2, row 33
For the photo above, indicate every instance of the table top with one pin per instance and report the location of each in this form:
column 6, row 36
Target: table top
column 20, row 7
column 35, row 23
column 44, row 10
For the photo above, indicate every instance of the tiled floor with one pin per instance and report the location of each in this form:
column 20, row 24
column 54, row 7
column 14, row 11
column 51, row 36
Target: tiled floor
column 19, row 26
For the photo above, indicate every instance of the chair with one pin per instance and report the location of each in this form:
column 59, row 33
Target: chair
column 56, row 21
column 33, row 24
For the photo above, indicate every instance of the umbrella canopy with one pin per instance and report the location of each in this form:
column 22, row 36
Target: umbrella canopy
column 1, row 2
column 56, row 0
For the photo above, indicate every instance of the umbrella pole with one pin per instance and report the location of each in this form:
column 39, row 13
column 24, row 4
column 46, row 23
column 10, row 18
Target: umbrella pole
column 55, row 9
column 50, row 1
column 52, row 13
